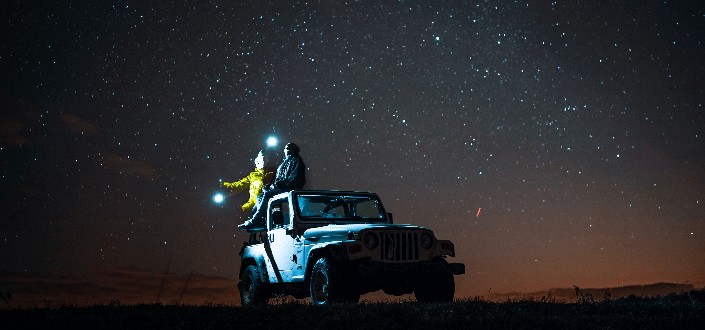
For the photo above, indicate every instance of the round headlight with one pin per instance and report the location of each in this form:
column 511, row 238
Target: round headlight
column 370, row 240
column 426, row 241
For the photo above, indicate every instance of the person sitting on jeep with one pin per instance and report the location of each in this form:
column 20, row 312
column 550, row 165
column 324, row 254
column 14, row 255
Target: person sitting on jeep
column 291, row 175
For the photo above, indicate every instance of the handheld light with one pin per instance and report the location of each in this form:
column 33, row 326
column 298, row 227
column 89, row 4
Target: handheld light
column 272, row 141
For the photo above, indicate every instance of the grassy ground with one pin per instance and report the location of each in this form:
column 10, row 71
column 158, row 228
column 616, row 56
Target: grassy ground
column 683, row 311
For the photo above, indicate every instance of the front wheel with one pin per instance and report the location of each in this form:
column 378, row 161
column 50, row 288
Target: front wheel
column 436, row 287
column 252, row 288
column 328, row 284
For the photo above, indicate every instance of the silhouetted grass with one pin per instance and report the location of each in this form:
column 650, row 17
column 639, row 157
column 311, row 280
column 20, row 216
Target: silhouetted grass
column 682, row 311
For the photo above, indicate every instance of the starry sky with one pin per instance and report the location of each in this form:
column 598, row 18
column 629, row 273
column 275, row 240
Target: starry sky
column 556, row 143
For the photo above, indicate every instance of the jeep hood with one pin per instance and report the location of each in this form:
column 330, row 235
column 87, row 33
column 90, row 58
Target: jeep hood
column 342, row 232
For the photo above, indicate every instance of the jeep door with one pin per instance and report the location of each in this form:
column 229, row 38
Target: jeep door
column 286, row 250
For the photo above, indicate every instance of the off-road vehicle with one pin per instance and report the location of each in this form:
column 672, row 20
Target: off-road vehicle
column 334, row 246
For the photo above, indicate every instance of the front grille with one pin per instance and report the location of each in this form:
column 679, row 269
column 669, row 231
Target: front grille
column 399, row 246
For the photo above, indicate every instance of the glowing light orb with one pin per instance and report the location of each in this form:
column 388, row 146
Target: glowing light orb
column 218, row 198
column 272, row 141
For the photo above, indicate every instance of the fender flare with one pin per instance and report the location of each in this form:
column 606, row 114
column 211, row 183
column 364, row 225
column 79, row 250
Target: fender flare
column 334, row 250
column 257, row 261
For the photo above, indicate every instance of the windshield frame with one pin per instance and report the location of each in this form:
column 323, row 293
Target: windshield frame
column 349, row 208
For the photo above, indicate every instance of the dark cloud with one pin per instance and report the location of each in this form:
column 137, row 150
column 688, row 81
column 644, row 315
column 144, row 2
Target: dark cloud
column 77, row 125
column 129, row 166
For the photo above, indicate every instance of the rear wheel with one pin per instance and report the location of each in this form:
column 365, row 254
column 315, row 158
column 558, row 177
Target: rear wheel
column 252, row 288
column 328, row 284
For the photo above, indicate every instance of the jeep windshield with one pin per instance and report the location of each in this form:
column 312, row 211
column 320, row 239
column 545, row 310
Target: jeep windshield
column 338, row 208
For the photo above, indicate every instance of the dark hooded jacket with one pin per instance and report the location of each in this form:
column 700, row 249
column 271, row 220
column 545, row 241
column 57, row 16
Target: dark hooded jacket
column 291, row 174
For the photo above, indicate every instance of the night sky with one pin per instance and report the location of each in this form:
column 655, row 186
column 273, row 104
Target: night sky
column 556, row 143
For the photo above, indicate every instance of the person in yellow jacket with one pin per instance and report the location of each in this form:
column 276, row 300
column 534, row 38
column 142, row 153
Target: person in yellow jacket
column 253, row 181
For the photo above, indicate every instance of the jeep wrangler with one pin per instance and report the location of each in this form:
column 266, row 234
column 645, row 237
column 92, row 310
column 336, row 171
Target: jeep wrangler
column 334, row 246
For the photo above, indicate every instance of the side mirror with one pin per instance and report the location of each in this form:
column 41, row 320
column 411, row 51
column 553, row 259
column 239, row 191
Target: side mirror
column 391, row 218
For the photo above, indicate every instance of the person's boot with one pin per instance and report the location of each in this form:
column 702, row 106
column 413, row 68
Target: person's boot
column 251, row 225
column 245, row 225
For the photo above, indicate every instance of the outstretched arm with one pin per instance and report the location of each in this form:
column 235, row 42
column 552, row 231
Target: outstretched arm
column 240, row 184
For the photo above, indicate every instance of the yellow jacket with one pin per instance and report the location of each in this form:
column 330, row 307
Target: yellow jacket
column 255, row 182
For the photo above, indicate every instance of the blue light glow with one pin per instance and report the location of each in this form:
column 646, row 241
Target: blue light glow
column 218, row 198
column 272, row 141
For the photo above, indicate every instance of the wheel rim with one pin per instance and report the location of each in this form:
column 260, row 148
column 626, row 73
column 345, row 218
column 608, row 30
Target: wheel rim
column 320, row 288
column 248, row 286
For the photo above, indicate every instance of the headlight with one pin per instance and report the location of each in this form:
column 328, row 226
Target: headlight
column 370, row 240
column 426, row 241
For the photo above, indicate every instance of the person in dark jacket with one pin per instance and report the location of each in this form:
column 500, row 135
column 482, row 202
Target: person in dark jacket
column 291, row 175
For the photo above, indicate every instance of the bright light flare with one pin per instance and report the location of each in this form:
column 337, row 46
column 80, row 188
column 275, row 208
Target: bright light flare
column 272, row 141
column 218, row 198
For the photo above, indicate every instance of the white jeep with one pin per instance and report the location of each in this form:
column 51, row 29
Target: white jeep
column 336, row 245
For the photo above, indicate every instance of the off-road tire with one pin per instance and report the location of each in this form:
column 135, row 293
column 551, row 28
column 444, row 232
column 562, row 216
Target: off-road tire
column 253, row 290
column 328, row 284
column 435, row 287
